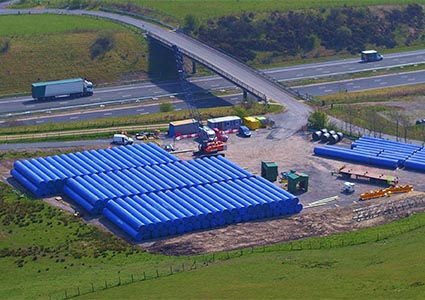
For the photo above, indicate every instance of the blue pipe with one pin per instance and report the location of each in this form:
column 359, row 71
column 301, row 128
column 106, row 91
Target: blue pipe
column 26, row 183
column 135, row 235
column 140, row 173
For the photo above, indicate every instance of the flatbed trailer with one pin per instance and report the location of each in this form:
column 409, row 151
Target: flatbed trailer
column 374, row 177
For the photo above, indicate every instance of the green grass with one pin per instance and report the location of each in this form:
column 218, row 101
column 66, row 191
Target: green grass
column 39, row 51
column 42, row 24
column 41, row 244
column 205, row 9
column 373, row 110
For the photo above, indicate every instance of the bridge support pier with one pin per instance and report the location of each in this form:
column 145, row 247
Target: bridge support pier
column 245, row 95
column 193, row 66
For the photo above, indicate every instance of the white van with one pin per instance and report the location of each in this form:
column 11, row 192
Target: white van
column 122, row 139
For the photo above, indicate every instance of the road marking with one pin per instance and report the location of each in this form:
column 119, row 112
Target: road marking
column 411, row 79
column 73, row 118
column 140, row 109
column 126, row 96
column 63, row 102
column 107, row 114
column 178, row 109
column 144, row 113
column 327, row 91
column 40, row 121
column 31, row 106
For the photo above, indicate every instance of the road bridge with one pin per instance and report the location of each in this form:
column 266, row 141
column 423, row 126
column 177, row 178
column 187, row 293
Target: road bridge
column 255, row 82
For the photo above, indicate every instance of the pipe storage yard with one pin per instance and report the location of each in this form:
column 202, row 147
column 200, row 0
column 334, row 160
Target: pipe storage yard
column 378, row 152
column 149, row 193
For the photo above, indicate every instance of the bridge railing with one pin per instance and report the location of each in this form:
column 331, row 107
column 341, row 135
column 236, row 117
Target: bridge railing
column 209, row 65
column 213, row 67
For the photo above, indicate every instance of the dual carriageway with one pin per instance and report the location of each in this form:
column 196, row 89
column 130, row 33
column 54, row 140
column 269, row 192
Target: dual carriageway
column 132, row 99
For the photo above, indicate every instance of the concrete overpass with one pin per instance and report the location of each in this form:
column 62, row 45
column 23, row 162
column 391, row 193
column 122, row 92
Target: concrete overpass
column 250, row 80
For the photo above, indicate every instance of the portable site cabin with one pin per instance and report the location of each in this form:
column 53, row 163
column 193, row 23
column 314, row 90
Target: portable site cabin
column 263, row 121
column 183, row 127
column 225, row 123
column 251, row 122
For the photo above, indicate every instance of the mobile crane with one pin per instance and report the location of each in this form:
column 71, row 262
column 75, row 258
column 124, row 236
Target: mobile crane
column 209, row 144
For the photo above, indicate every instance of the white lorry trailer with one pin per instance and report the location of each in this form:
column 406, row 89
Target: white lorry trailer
column 75, row 87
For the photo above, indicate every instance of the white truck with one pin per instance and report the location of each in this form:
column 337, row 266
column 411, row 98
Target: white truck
column 371, row 55
column 122, row 139
column 75, row 87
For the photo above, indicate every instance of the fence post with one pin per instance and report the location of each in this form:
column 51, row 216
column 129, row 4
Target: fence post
column 92, row 287
column 171, row 270
column 157, row 273
column 119, row 280
column 132, row 278
column 66, row 294
column 78, row 291
column 144, row 275
column 106, row 284
column 183, row 266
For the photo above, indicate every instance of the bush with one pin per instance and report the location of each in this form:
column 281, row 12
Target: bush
column 101, row 45
column 4, row 45
column 166, row 107
column 318, row 119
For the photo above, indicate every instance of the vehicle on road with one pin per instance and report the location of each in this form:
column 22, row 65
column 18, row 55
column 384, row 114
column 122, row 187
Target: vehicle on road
column 371, row 55
column 122, row 139
column 244, row 131
column 49, row 90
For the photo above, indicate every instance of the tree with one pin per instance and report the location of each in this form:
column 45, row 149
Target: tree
column 318, row 119
column 190, row 23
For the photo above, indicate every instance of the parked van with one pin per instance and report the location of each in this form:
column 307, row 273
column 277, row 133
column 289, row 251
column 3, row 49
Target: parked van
column 244, row 131
column 122, row 139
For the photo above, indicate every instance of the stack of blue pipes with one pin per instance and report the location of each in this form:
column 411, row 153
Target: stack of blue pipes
column 378, row 152
column 149, row 193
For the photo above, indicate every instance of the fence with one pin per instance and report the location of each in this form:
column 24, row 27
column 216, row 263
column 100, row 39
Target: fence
column 336, row 241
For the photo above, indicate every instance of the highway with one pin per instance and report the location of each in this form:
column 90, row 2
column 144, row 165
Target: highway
column 294, row 118
column 255, row 82
column 145, row 98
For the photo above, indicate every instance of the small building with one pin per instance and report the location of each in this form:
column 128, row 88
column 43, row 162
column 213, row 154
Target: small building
column 251, row 122
column 297, row 182
column 269, row 170
column 225, row 123
column 182, row 127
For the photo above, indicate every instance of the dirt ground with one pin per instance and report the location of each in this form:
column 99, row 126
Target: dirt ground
column 341, row 212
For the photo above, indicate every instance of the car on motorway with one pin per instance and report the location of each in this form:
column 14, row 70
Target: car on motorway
column 244, row 131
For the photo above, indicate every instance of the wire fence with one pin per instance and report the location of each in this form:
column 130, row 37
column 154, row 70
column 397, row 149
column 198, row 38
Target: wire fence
column 317, row 243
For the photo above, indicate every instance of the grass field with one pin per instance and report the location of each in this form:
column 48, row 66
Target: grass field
column 46, row 254
column 377, row 110
column 38, row 51
column 205, row 9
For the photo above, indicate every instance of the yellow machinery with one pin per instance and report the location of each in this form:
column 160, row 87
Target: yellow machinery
column 386, row 192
